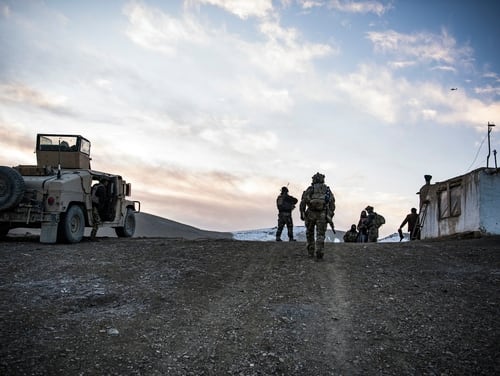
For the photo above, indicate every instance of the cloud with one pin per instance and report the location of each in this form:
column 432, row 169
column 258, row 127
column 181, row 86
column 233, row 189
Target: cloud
column 423, row 47
column 371, row 89
column 5, row 10
column 284, row 51
column 212, row 199
column 487, row 90
column 376, row 91
column 308, row 4
column 155, row 30
column 349, row 6
column 29, row 97
column 259, row 95
column 242, row 8
column 17, row 144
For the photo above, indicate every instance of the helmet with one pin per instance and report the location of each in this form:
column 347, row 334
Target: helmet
column 318, row 178
column 369, row 208
column 284, row 189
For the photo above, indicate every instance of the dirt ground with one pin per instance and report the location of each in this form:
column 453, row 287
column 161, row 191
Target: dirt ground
column 222, row 307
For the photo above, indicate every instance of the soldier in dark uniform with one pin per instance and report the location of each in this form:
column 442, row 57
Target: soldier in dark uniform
column 285, row 204
column 413, row 224
column 363, row 230
column 351, row 236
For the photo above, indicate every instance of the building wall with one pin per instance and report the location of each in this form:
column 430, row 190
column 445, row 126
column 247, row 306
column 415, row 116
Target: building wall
column 479, row 205
column 490, row 201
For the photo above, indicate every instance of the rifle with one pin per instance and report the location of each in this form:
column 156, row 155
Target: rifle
column 330, row 222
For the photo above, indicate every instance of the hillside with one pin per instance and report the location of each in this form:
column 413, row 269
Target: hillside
column 213, row 307
column 150, row 226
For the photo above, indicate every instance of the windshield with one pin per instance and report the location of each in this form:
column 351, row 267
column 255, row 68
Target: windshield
column 64, row 143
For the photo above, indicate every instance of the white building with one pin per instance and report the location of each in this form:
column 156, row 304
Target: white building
column 467, row 204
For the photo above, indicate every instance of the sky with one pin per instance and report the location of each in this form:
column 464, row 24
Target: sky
column 209, row 107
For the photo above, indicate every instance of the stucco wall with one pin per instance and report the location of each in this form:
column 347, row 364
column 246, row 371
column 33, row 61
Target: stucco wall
column 490, row 201
column 479, row 203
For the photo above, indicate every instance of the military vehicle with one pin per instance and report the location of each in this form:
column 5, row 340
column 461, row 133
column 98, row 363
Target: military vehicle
column 55, row 195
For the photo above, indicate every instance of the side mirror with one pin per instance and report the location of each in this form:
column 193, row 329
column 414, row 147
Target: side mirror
column 128, row 189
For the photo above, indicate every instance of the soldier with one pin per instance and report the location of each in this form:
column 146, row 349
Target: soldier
column 413, row 224
column 363, row 230
column 373, row 222
column 285, row 204
column 99, row 197
column 317, row 208
column 351, row 236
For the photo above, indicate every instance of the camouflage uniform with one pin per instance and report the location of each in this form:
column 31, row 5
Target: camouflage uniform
column 370, row 225
column 98, row 202
column 96, row 222
column 317, row 208
column 285, row 204
column 351, row 236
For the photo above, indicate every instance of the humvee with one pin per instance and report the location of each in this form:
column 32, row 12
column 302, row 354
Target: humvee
column 55, row 195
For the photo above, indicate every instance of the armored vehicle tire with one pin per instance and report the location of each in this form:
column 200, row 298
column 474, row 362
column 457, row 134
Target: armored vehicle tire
column 72, row 225
column 12, row 187
column 128, row 229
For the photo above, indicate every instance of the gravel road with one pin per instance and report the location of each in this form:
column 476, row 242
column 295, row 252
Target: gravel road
column 223, row 307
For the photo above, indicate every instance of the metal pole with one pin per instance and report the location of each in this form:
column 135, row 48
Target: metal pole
column 490, row 125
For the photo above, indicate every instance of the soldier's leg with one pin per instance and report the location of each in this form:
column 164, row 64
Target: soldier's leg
column 281, row 224
column 96, row 222
column 372, row 235
column 310, row 225
column 289, row 227
column 320, row 238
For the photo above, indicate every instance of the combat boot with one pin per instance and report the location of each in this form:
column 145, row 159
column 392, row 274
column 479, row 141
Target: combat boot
column 310, row 250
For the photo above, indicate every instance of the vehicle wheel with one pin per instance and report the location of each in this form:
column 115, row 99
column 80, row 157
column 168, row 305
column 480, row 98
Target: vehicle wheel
column 12, row 188
column 128, row 229
column 72, row 225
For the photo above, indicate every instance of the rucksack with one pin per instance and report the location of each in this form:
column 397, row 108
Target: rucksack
column 379, row 220
column 286, row 203
column 319, row 196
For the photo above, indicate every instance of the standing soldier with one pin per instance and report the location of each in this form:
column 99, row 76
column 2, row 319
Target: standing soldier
column 99, row 198
column 285, row 204
column 317, row 208
column 374, row 221
column 413, row 225
column 363, row 230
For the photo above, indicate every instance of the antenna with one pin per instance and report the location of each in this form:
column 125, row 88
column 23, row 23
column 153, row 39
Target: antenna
column 490, row 126
column 59, row 160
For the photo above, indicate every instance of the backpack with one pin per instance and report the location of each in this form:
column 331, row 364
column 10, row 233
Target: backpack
column 319, row 196
column 286, row 203
column 379, row 220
